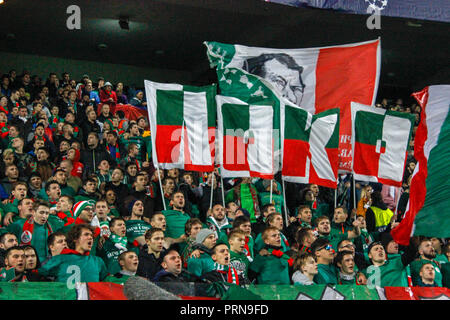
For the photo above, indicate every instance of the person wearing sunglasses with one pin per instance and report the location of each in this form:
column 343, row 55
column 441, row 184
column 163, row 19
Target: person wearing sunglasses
column 324, row 253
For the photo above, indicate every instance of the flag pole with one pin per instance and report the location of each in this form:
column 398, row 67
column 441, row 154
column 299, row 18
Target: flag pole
column 354, row 191
column 212, row 189
column 335, row 196
column 285, row 206
column 160, row 185
column 271, row 190
column 223, row 191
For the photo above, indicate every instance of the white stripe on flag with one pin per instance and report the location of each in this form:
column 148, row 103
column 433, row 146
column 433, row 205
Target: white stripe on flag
column 321, row 132
column 196, row 121
column 391, row 162
column 260, row 153
column 436, row 112
column 378, row 147
column 82, row 291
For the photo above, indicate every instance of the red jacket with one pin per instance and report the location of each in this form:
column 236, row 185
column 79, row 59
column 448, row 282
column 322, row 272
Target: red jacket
column 77, row 170
column 104, row 97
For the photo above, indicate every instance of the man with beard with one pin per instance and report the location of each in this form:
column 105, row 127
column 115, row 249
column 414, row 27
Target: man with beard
column 149, row 256
column 14, row 270
column 219, row 223
column 388, row 273
column 346, row 269
column 271, row 265
column 176, row 217
column 427, row 255
column 7, row 240
column 76, row 264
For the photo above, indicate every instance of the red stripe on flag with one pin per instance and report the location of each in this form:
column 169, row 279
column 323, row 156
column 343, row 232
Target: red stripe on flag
column 418, row 189
column 105, row 291
column 345, row 74
column 167, row 142
column 365, row 159
column 235, row 154
column 294, row 157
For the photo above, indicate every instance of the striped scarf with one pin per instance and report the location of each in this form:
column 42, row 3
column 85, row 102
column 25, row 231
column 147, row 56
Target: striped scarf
column 247, row 249
column 117, row 151
column 280, row 254
column 27, row 231
column 230, row 271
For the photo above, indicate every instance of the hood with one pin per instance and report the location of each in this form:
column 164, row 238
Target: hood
column 70, row 251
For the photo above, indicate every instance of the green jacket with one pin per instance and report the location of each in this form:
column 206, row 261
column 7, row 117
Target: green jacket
column 446, row 275
column 200, row 266
column 110, row 254
column 271, row 269
column 118, row 278
column 240, row 262
column 259, row 243
column 71, row 267
column 277, row 200
column 38, row 238
column 136, row 228
column 175, row 221
column 391, row 274
column 327, row 274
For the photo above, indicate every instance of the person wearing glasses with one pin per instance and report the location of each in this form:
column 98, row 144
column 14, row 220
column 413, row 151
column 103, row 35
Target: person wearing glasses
column 324, row 253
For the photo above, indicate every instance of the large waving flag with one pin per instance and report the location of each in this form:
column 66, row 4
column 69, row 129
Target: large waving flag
column 315, row 79
column 310, row 146
column 427, row 212
column 245, row 135
column 380, row 143
column 182, row 122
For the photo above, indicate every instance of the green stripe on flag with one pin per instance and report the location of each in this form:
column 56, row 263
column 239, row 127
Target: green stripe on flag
column 433, row 219
column 365, row 120
column 296, row 118
column 36, row 291
column 235, row 117
column 333, row 143
column 170, row 107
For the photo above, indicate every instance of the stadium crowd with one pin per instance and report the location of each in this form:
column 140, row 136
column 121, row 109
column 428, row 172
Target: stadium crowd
column 78, row 189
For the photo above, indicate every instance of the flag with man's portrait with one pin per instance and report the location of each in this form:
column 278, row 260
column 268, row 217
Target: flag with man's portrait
column 315, row 79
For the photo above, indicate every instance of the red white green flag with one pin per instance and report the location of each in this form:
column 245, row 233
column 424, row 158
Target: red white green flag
column 245, row 136
column 380, row 141
column 310, row 146
column 182, row 122
column 427, row 212
column 315, row 79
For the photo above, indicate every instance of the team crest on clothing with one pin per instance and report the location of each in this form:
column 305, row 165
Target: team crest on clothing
column 26, row 236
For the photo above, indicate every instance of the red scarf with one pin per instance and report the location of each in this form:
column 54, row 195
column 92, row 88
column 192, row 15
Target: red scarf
column 27, row 231
column 281, row 254
column 117, row 151
column 70, row 251
column 67, row 220
column 232, row 275
column 97, row 230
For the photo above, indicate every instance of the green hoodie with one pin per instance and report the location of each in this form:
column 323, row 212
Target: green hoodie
column 392, row 273
column 110, row 255
column 70, row 267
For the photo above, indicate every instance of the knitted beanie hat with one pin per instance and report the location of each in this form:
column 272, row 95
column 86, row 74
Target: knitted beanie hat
column 80, row 206
column 202, row 235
